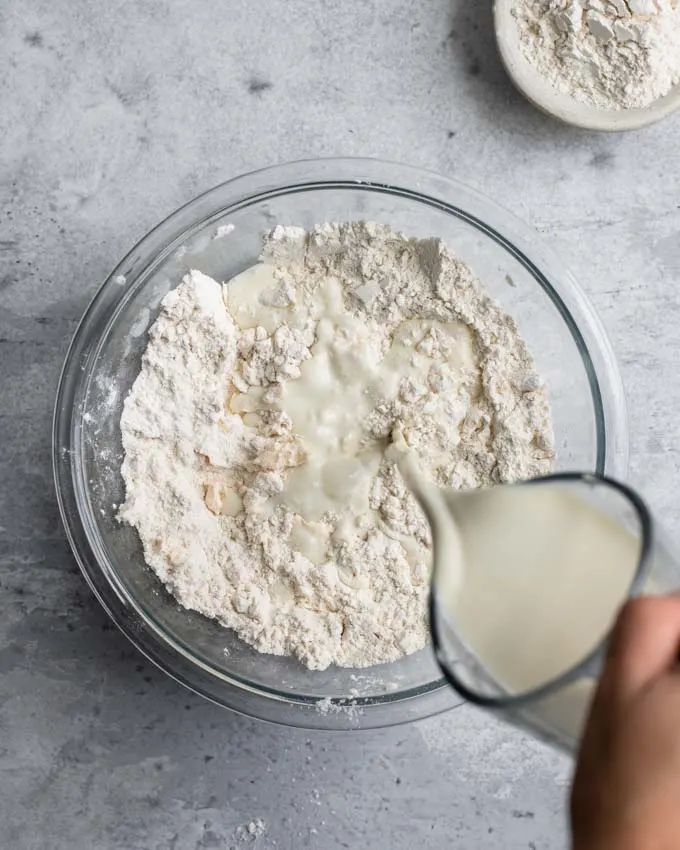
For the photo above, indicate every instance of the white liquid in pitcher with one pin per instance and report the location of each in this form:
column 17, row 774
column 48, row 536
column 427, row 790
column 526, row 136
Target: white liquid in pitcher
column 531, row 579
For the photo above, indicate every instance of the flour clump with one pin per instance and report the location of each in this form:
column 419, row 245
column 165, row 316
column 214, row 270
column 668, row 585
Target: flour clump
column 256, row 433
column 613, row 54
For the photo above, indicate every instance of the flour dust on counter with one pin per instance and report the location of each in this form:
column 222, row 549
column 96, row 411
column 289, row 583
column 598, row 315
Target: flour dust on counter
column 256, row 435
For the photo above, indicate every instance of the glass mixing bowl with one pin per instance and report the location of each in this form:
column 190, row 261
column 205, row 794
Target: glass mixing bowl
column 220, row 234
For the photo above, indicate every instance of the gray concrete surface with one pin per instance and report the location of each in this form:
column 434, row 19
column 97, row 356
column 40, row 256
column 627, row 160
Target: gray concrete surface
column 111, row 115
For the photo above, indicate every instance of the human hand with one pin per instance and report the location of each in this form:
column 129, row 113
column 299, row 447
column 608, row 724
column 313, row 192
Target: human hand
column 626, row 791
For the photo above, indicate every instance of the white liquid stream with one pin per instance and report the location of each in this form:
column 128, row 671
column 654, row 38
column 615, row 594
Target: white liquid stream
column 531, row 578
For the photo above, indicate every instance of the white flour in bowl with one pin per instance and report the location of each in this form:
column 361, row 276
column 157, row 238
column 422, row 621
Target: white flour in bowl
column 613, row 54
column 255, row 435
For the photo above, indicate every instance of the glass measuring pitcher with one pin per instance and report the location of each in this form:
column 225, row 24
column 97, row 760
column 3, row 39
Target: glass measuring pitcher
column 527, row 582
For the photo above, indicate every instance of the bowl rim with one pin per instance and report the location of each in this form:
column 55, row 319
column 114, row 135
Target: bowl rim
column 544, row 97
column 213, row 205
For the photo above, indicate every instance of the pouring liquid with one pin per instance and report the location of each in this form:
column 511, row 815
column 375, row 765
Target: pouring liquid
column 530, row 578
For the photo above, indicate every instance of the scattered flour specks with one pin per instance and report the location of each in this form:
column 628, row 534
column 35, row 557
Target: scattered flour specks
column 250, row 832
column 223, row 230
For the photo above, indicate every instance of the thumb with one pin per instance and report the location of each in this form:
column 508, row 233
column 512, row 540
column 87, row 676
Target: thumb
column 643, row 646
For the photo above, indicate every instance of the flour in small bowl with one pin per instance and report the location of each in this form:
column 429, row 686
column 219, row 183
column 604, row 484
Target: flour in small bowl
column 612, row 54
column 256, row 432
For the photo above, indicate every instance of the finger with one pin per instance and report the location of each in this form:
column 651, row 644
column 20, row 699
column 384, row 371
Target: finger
column 644, row 644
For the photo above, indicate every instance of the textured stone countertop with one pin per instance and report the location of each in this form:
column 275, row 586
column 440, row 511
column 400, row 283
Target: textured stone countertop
column 113, row 114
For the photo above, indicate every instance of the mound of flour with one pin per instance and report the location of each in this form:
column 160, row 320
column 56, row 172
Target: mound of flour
column 255, row 434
